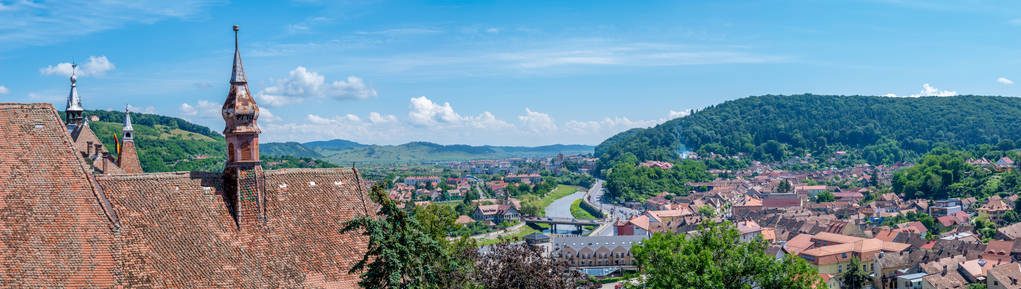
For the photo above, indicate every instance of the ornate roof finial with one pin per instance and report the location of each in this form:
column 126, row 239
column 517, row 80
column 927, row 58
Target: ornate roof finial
column 74, row 103
column 238, row 73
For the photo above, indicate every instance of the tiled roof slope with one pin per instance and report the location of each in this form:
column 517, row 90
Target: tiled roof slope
column 176, row 230
column 53, row 232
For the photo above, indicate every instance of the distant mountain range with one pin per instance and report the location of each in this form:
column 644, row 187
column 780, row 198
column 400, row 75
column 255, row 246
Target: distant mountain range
column 343, row 152
column 173, row 144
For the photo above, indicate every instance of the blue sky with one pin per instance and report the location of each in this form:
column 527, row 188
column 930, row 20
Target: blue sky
column 496, row 72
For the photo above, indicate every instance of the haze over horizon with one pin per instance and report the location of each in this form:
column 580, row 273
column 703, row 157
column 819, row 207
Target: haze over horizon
column 504, row 73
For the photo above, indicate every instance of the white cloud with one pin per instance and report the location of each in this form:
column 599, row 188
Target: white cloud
column 30, row 23
column 4, row 90
column 425, row 112
column 148, row 109
column 95, row 66
column 302, row 83
column 336, row 120
column 611, row 53
column 376, row 117
column 538, row 122
column 203, row 109
column 675, row 114
column 273, row 100
column 487, row 120
column 433, row 121
column 1004, row 80
column 267, row 116
column 927, row 90
column 401, row 31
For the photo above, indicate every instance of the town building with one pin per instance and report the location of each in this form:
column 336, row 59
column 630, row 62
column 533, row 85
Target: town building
column 831, row 253
column 67, row 225
column 496, row 213
column 595, row 251
column 523, row 178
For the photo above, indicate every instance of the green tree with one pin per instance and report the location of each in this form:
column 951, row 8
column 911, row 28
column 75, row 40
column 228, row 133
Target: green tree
column 707, row 210
column 399, row 255
column 784, row 187
column 716, row 258
column 531, row 205
column 436, row 220
column 826, row 196
column 855, row 277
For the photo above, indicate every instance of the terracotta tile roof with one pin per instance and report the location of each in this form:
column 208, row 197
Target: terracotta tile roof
column 1008, row 275
column 747, row 227
column 1011, row 232
column 176, row 230
column 641, row 222
column 946, row 220
column 769, row 235
column 998, row 250
column 62, row 227
column 798, row 243
column 53, row 232
column 995, row 206
column 462, row 219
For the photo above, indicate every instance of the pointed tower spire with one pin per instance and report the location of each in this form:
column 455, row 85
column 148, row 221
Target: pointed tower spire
column 243, row 178
column 73, row 111
column 127, row 156
column 127, row 131
column 238, row 73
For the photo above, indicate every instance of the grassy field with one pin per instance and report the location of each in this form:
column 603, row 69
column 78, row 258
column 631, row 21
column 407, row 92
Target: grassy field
column 525, row 230
column 580, row 213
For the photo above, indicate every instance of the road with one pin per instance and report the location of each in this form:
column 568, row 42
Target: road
column 612, row 211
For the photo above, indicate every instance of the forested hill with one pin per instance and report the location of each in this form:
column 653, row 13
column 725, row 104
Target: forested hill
column 773, row 127
column 878, row 130
column 413, row 153
column 168, row 143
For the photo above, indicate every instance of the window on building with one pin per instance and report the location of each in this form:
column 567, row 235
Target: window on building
column 246, row 151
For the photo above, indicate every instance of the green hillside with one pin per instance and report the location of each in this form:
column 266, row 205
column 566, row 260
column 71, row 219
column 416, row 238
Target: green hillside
column 414, row 153
column 171, row 144
column 774, row 128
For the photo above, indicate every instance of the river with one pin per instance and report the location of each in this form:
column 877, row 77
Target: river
column 561, row 208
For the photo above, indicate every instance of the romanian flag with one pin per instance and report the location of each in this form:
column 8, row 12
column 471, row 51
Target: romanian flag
column 118, row 143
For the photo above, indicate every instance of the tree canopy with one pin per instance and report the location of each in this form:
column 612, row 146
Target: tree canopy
column 879, row 130
column 714, row 257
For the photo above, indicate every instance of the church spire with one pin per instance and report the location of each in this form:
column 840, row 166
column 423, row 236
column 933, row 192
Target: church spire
column 127, row 131
column 73, row 111
column 238, row 73
column 127, row 156
column 242, row 174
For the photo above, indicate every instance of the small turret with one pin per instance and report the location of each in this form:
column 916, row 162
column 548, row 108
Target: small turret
column 73, row 112
column 127, row 158
column 127, row 131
